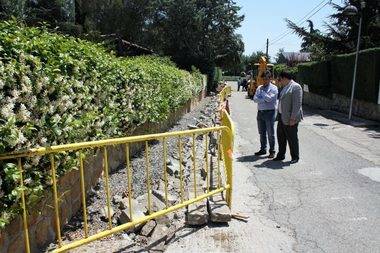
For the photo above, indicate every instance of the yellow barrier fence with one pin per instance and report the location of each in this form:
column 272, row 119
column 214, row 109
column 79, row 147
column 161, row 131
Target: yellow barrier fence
column 224, row 133
column 223, row 99
column 225, row 93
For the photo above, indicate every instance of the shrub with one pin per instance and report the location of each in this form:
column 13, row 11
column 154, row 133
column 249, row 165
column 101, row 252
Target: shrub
column 218, row 74
column 368, row 74
column 317, row 76
column 278, row 68
column 336, row 74
column 57, row 89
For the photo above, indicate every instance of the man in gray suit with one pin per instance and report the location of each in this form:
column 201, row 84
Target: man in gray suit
column 289, row 115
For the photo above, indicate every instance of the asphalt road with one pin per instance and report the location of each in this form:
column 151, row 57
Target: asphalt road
column 330, row 200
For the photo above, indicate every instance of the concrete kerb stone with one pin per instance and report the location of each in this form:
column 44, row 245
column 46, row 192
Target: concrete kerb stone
column 159, row 234
column 196, row 214
column 218, row 209
column 148, row 228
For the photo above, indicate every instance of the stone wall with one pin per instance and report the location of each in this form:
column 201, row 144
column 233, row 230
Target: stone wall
column 342, row 104
column 41, row 217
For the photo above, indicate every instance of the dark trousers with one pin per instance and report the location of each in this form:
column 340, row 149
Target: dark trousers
column 287, row 134
column 265, row 123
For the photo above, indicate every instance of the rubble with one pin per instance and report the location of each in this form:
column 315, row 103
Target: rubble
column 191, row 127
column 197, row 214
column 117, row 199
column 137, row 212
column 104, row 213
column 148, row 228
column 161, row 196
column 153, row 235
column 218, row 209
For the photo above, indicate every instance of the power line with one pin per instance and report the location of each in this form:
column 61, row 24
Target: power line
column 289, row 32
column 300, row 20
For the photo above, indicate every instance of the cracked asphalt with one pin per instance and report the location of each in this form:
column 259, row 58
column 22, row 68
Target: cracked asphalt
column 323, row 203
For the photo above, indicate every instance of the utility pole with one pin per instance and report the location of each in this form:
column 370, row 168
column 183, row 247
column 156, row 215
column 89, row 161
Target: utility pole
column 266, row 52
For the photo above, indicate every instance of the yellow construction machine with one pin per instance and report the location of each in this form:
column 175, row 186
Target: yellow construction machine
column 256, row 80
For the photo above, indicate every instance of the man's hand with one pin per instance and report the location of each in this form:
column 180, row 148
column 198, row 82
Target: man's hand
column 292, row 122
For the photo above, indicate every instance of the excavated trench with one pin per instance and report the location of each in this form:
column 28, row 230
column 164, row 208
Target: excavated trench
column 155, row 234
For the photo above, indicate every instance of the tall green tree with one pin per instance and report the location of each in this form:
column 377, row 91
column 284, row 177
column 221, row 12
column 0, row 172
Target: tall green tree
column 342, row 30
column 197, row 33
column 280, row 58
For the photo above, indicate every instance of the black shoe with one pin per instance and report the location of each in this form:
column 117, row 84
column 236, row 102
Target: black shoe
column 278, row 158
column 261, row 152
column 271, row 154
column 294, row 161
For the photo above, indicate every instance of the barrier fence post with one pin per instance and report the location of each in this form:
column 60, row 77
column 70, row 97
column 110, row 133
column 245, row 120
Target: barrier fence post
column 23, row 203
column 227, row 148
column 83, row 191
column 55, row 197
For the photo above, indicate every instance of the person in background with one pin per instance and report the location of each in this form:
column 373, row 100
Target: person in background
column 289, row 115
column 238, row 83
column 266, row 98
column 241, row 81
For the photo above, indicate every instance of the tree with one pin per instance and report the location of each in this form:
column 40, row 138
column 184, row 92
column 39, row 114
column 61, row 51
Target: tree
column 197, row 33
column 16, row 8
column 342, row 31
column 280, row 58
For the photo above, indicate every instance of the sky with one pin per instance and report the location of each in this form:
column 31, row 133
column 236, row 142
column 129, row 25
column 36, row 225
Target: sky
column 266, row 19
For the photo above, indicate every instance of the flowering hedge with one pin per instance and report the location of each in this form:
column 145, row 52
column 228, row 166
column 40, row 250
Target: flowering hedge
column 57, row 89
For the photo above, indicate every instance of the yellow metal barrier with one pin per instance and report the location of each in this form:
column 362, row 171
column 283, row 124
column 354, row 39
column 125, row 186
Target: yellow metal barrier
column 224, row 133
column 225, row 93
column 227, row 141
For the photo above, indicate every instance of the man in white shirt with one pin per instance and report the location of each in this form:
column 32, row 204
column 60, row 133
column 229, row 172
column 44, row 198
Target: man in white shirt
column 266, row 98
column 289, row 115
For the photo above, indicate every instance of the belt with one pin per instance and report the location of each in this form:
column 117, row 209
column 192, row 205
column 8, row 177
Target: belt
column 271, row 110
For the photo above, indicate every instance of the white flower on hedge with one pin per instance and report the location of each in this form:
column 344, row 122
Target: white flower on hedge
column 52, row 108
column 58, row 79
column 2, row 84
column 32, row 100
column 43, row 141
column 35, row 160
column 26, row 89
column 21, row 138
column 7, row 109
column 15, row 94
column 29, row 181
column 51, row 89
column 23, row 113
column 26, row 80
column 56, row 118
column 38, row 86
column 62, row 103
column 76, row 69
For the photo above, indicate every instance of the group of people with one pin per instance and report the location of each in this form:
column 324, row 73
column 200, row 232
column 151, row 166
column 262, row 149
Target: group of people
column 284, row 104
column 243, row 81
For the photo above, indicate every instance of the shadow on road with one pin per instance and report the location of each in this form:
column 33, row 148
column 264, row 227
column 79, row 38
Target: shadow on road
column 249, row 158
column 273, row 165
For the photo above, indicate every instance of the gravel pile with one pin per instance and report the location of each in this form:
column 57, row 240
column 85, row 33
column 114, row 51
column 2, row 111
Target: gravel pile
column 205, row 115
